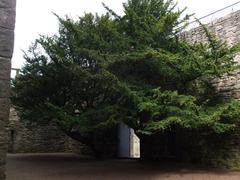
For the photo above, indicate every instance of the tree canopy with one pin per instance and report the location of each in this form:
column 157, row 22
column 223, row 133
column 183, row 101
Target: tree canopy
column 100, row 70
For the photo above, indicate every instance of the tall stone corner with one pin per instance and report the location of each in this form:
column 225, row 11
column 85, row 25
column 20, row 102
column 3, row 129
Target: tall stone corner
column 7, row 23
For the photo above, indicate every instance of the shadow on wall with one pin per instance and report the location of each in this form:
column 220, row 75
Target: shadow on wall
column 33, row 138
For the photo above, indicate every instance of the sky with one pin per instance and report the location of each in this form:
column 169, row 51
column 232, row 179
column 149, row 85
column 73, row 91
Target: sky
column 35, row 17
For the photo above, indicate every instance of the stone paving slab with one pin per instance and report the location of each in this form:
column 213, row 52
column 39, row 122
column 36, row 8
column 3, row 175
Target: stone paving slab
column 73, row 167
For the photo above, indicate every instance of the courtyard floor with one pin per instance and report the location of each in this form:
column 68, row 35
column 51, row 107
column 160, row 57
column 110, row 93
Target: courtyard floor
column 73, row 167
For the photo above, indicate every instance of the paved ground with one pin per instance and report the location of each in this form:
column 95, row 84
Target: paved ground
column 72, row 167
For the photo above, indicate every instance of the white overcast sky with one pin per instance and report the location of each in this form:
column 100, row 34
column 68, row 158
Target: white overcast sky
column 35, row 17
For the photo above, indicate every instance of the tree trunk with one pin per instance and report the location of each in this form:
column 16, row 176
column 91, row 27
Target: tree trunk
column 87, row 139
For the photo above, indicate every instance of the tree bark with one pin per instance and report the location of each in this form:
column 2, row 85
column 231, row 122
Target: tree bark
column 87, row 139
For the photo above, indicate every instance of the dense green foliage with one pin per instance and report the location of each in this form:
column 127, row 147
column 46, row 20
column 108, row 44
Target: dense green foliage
column 102, row 70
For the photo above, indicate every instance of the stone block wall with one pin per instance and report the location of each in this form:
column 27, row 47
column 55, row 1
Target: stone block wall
column 48, row 138
column 189, row 146
column 227, row 29
column 35, row 138
column 7, row 22
column 220, row 150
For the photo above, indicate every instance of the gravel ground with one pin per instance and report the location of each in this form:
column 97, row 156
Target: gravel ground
column 73, row 167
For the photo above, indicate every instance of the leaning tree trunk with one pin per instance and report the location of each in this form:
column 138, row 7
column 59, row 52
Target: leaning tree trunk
column 87, row 139
column 103, row 143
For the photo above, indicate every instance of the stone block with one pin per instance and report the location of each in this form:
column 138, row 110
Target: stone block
column 4, row 88
column 4, row 111
column 3, row 149
column 7, row 3
column 3, row 139
column 7, row 18
column 5, row 66
column 2, row 172
column 6, row 45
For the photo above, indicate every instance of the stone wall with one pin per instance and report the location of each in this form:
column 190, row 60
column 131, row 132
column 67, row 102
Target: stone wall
column 190, row 146
column 227, row 29
column 7, row 23
column 35, row 138
column 219, row 150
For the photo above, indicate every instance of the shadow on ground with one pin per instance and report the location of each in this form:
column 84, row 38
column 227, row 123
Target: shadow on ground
column 73, row 167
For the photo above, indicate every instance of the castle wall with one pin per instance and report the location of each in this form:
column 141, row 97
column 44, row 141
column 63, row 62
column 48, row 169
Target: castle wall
column 227, row 29
column 7, row 22
column 191, row 146
column 35, row 138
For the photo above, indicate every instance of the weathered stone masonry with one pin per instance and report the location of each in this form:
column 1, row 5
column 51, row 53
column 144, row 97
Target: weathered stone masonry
column 215, row 150
column 7, row 23
column 226, row 28
column 48, row 138
column 222, row 150
column 34, row 138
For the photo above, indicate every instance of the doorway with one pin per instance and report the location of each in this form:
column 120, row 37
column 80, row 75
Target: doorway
column 129, row 143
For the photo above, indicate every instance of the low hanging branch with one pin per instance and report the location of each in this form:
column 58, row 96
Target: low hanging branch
column 130, row 68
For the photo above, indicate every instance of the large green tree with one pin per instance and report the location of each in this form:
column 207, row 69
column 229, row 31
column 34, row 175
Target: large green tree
column 132, row 68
